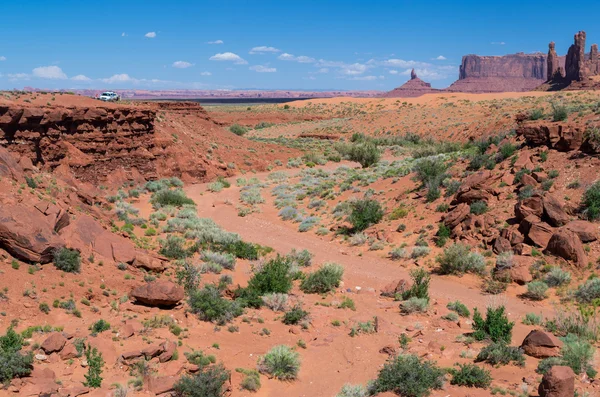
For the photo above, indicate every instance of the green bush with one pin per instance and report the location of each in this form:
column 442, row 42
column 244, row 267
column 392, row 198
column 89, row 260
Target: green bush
column 280, row 362
column 99, row 326
column 536, row 290
column 251, row 381
column 499, row 353
column 420, row 285
column 173, row 247
column 295, row 315
column 559, row 112
column 349, row 390
column 365, row 213
column 588, row 292
column 442, row 235
column 507, row 150
column 430, row 169
column 532, row 319
column 208, row 382
column 478, row 207
column 557, row 277
column 457, row 259
column 408, row 376
column 579, row 355
column 175, row 198
column 273, row 276
column 536, row 114
column 238, row 129
column 95, row 361
column 547, row 363
column 471, row 375
column 300, row 258
column 323, row 280
column 495, row 326
column 209, row 305
column 67, row 260
column 459, row 308
column 590, row 202
column 414, row 305
column 225, row 260
column 366, row 154
column 13, row 364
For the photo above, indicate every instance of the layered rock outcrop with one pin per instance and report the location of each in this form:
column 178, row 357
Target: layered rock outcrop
column 412, row 88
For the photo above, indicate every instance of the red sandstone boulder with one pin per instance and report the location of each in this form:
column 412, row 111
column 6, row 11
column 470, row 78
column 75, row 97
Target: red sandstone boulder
column 54, row 343
column 554, row 212
column 9, row 167
column 540, row 234
column 540, row 344
column 501, row 245
column 527, row 180
column 530, row 206
column 27, row 234
column 161, row 384
column 559, row 381
column 395, row 287
column 523, row 161
column 158, row 293
column 168, row 351
column 586, row 231
column 68, row 352
column 456, row 215
column 566, row 244
column 147, row 262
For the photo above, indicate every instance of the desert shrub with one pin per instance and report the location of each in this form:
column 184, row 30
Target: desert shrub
column 504, row 260
column 188, row 276
column 175, row 198
column 442, row 235
column 398, row 253
column 263, row 124
column 251, row 196
column 398, row 213
column 536, row 290
column 99, row 326
column 323, row 280
column 506, row 150
column 559, row 112
column 457, row 259
column 590, row 202
column 578, row 354
column 208, row 382
column 495, row 326
column 366, row 154
column 451, row 317
column 67, row 260
column 251, row 381
column 430, row 169
column 365, row 212
column 452, row 187
column 442, row 207
column 358, row 239
column 13, row 363
column 197, row 357
column 414, row 305
column 308, row 223
column 536, row 114
column 478, row 207
column 420, row 285
column 209, row 305
column 173, row 247
column 95, row 362
column 532, row 319
column 409, row 376
column 295, row 315
column 418, row 252
column 240, row 249
column 526, row 192
column 275, row 301
column 547, row 363
column 459, row 308
column 273, row 276
column 288, row 213
column 281, row 362
column 349, row 390
column 588, row 291
column 499, row 353
column 225, row 260
column 238, row 129
column 300, row 258
column 471, row 375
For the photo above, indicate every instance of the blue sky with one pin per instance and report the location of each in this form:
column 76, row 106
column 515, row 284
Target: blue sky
column 353, row 45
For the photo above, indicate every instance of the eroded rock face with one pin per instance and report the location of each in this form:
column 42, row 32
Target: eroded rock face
column 54, row 343
column 158, row 293
column 559, row 381
column 541, row 344
column 586, row 231
column 566, row 244
column 553, row 211
column 412, row 88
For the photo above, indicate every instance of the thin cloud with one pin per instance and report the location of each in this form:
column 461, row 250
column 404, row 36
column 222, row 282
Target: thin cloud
column 150, row 35
column 18, row 76
column 301, row 59
column 123, row 34
column 182, row 65
column 497, row 43
column 398, row 63
column 2, row 58
column 262, row 69
column 80, row 77
column 440, row 58
column 393, row 71
column 230, row 57
column 206, row 74
column 264, row 49
column 215, row 42
column 366, row 78
column 428, row 74
column 49, row 72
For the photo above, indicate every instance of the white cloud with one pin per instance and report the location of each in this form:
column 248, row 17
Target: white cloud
column 123, row 34
column 366, row 78
column 393, row 72
column 49, row 72
column 429, row 74
column 346, row 69
column 440, row 58
column 80, row 77
column 150, row 35
column 18, row 76
column 323, row 70
column 228, row 56
column 398, row 63
column 302, row 58
column 182, row 64
column 215, row 42
column 263, row 49
column 2, row 58
column 262, row 69
column 498, row 43
column 206, row 74
column 118, row 78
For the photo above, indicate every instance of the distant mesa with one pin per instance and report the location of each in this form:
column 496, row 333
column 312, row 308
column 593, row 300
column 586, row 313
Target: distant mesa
column 412, row 88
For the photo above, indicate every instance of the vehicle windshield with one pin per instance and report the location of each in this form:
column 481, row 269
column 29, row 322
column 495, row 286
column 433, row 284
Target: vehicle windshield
column 106, row 94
